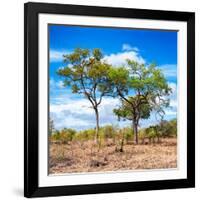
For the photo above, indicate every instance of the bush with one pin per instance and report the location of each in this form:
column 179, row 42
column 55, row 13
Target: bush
column 128, row 134
column 163, row 129
column 142, row 133
column 64, row 136
column 107, row 131
column 85, row 135
column 168, row 128
column 55, row 135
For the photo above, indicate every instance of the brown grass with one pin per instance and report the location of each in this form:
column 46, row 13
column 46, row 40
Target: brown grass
column 87, row 157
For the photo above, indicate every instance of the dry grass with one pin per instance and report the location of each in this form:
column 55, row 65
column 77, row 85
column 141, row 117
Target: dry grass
column 87, row 157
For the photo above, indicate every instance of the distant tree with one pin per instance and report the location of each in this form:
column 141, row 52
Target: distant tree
column 51, row 126
column 87, row 76
column 108, row 131
column 168, row 128
column 173, row 124
column 153, row 132
column 68, row 134
column 141, row 89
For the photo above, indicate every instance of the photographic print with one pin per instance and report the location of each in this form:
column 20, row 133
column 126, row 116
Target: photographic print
column 109, row 99
column 112, row 99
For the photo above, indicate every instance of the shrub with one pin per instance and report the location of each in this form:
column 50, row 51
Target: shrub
column 128, row 134
column 108, row 131
column 64, row 136
column 55, row 135
column 168, row 128
column 88, row 134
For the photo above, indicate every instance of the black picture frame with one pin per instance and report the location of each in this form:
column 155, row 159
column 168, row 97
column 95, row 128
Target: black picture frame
column 31, row 12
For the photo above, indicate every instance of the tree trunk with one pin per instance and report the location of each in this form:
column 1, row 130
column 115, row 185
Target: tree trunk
column 97, row 125
column 122, row 142
column 135, row 129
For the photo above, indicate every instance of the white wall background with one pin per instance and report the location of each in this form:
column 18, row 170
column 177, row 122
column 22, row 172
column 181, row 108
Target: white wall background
column 11, row 99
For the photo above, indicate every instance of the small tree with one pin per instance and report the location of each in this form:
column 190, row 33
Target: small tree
column 87, row 77
column 141, row 89
column 168, row 128
column 127, row 112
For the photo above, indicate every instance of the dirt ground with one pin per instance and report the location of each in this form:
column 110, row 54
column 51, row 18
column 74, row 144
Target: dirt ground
column 87, row 157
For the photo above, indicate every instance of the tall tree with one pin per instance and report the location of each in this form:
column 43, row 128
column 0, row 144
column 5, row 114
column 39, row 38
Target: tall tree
column 87, row 75
column 141, row 89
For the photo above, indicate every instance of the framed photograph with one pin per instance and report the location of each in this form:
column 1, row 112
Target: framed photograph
column 109, row 99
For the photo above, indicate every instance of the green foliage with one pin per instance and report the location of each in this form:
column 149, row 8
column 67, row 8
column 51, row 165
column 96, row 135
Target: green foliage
column 163, row 129
column 56, row 135
column 142, row 133
column 87, row 75
column 152, row 132
column 118, row 79
column 168, row 128
column 65, row 135
column 126, row 110
column 128, row 134
column 108, row 131
column 149, row 86
column 85, row 135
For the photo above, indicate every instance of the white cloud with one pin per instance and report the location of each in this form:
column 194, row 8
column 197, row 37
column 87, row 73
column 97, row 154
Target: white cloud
column 119, row 59
column 56, row 84
column 173, row 103
column 57, row 56
column 78, row 113
column 173, row 86
column 80, row 106
column 128, row 47
column 171, row 111
column 173, row 95
column 169, row 70
column 60, row 84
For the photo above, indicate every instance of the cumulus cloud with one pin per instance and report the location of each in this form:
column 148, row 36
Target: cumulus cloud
column 56, row 84
column 173, row 95
column 119, row 59
column 57, row 56
column 169, row 70
column 173, row 86
column 171, row 111
column 78, row 113
column 128, row 47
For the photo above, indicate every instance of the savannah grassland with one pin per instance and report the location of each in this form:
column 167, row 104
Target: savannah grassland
column 112, row 154
column 141, row 89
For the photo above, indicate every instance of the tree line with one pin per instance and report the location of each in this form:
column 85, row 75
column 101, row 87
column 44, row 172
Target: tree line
column 141, row 88
column 116, row 135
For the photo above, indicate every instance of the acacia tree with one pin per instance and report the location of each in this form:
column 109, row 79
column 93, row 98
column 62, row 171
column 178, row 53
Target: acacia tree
column 141, row 89
column 126, row 112
column 87, row 75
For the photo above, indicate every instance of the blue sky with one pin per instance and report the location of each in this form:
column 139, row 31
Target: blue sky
column 145, row 46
